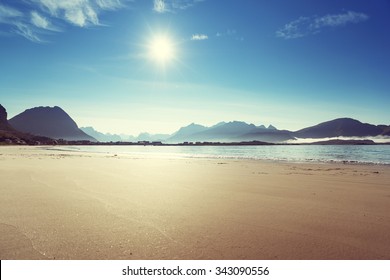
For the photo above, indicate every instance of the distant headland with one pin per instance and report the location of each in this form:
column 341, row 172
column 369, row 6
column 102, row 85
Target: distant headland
column 53, row 126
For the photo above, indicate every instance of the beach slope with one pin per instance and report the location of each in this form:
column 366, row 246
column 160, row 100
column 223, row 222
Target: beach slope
column 71, row 205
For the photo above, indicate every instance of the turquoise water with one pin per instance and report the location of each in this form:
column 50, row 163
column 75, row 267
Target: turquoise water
column 376, row 154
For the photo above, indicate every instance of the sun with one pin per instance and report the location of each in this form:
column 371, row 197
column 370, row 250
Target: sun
column 161, row 49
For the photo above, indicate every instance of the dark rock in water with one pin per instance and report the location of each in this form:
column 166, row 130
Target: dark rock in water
column 345, row 142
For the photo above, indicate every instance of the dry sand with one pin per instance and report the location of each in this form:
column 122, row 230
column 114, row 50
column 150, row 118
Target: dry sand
column 68, row 205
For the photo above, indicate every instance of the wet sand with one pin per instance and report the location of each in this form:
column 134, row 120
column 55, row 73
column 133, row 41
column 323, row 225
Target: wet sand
column 72, row 205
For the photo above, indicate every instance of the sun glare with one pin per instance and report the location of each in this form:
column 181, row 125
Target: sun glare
column 161, row 49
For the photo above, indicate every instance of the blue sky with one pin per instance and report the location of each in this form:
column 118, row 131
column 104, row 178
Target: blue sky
column 287, row 63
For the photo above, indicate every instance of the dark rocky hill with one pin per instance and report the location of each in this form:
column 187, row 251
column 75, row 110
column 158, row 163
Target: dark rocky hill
column 339, row 127
column 9, row 135
column 52, row 122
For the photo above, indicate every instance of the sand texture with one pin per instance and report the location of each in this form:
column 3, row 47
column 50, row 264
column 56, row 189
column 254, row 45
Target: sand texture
column 72, row 205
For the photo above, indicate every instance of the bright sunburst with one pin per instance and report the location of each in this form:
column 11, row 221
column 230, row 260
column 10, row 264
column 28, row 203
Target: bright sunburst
column 161, row 49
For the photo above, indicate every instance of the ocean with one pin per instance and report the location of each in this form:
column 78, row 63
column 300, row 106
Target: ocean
column 358, row 154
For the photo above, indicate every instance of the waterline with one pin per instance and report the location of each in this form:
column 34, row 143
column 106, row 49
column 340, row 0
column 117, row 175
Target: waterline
column 360, row 154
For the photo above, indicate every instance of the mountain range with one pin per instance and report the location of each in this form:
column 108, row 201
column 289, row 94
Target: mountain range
column 99, row 136
column 108, row 137
column 342, row 127
column 240, row 131
column 55, row 123
column 52, row 122
column 10, row 135
column 234, row 131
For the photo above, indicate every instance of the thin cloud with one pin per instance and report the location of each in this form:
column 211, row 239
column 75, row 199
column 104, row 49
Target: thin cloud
column 305, row 26
column 296, row 29
column 77, row 12
column 15, row 20
column 42, row 22
column 184, row 4
column 340, row 19
column 230, row 33
column 159, row 6
column 227, row 33
column 109, row 4
column 8, row 13
column 27, row 32
column 45, row 15
column 163, row 6
column 199, row 37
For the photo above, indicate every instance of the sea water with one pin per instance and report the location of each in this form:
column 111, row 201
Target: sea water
column 365, row 154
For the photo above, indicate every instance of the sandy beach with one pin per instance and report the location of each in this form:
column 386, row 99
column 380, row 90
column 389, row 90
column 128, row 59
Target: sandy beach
column 72, row 205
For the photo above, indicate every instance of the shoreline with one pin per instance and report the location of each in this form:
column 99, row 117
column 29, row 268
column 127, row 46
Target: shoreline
column 62, row 205
column 177, row 155
column 205, row 156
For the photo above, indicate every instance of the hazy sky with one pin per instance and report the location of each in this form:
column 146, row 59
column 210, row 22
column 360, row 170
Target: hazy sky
column 143, row 65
